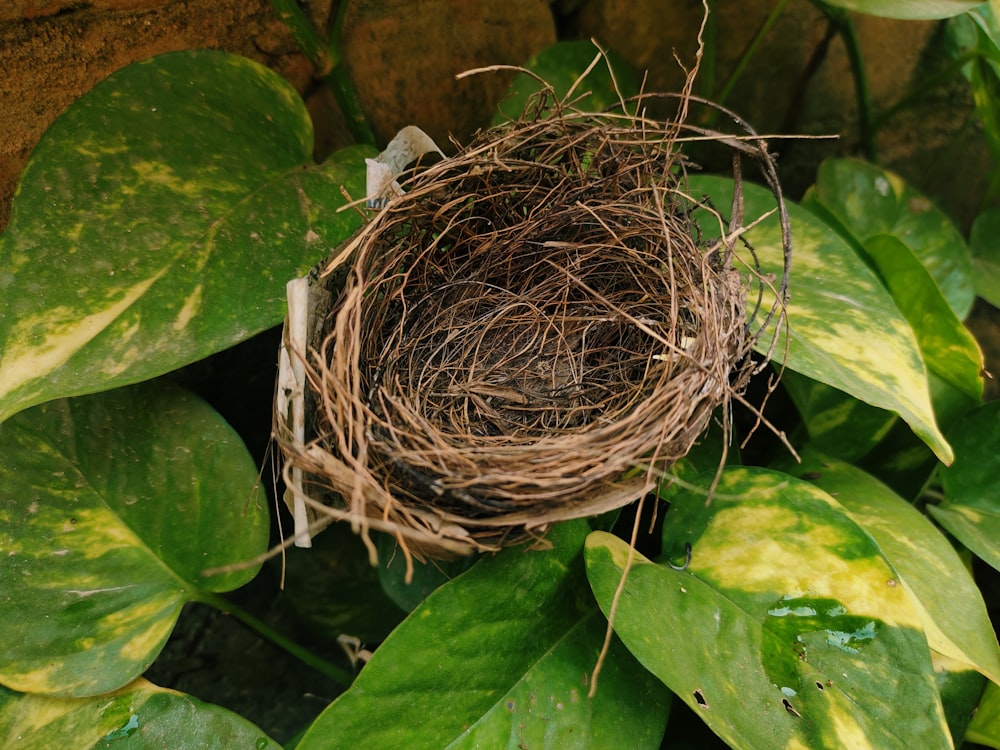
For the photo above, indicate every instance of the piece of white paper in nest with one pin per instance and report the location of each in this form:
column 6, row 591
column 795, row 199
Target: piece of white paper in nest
column 410, row 144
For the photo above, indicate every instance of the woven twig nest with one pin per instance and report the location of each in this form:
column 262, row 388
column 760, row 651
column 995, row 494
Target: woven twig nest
column 530, row 331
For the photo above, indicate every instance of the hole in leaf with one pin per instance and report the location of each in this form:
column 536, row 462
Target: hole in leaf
column 820, row 685
column 789, row 707
column 700, row 697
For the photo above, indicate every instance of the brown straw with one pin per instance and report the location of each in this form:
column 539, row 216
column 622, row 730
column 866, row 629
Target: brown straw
column 535, row 331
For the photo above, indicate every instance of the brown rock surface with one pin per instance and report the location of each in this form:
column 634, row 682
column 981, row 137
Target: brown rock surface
column 403, row 57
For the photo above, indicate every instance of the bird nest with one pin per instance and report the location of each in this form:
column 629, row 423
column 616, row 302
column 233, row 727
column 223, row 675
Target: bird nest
column 530, row 331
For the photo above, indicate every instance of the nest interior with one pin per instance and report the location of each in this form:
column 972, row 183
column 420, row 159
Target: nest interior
column 531, row 332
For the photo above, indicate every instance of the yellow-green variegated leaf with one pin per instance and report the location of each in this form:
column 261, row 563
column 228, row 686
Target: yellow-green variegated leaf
column 140, row 715
column 948, row 347
column 158, row 221
column 865, row 201
column 788, row 629
column 111, row 506
column 948, row 600
column 843, row 327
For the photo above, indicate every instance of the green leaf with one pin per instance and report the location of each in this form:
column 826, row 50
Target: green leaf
column 948, row 600
column 971, row 509
column 136, row 717
column 838, row 425
column 560, row 65
column 787, row 629
column 961, row 690
column 984, row 242
column 158, row 221
column 948, row 347
column 985, row 726
column 427, row 575
column 864, row 201
column 843, row 327
column 334, row 589
column 902, row 460
column 500, row 658
column 111, row 506
column 908, row 9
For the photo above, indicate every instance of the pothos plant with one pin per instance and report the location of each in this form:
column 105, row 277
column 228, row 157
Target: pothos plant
column 827, row 603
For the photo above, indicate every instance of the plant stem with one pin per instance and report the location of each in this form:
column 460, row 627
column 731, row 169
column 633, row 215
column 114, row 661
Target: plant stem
column 306, row 656
column 308, row 40
column 327, row 60
column 343, row 87
column 748, row 53
column 845, row 27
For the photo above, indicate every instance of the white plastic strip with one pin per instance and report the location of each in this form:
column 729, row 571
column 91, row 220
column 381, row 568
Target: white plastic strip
column 291, row 392
column 409, row 144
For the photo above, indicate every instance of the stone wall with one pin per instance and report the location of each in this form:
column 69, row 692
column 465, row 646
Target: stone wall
column 403, row 57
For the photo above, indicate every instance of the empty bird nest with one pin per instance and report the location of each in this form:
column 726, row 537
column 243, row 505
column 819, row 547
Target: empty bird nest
column 529, row 331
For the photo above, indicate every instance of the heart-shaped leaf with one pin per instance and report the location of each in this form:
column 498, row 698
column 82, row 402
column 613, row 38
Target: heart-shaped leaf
column 787, row 629
column 950, row 604
column 158, row 221
column 864, row 201
column 843, row 327
column 971, row 509
column 138, row 716
column 111, row 507
column 500, row 657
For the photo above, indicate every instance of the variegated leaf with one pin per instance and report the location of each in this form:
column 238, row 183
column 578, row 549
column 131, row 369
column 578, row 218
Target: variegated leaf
column 843, row 327
column 140, row 715
column 111, row 506
column 948, row 347
column 961, row 689
column 838, row 424
column 788, row 629
column 948, row 600
column 866, row 201
column 157, row 222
